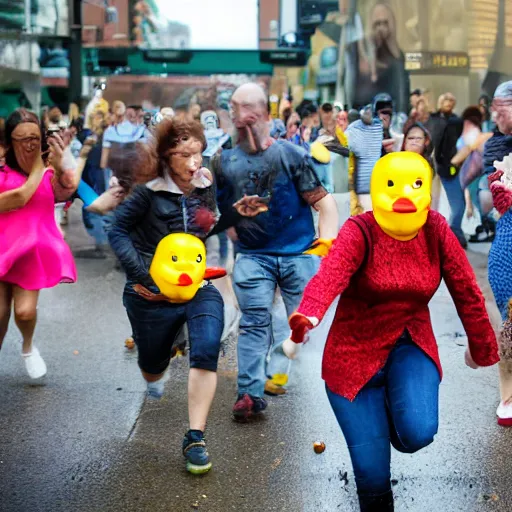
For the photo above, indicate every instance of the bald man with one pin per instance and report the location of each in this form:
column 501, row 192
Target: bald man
column 274, row 185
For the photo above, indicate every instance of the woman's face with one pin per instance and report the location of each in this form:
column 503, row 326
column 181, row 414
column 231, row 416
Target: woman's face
column 415, row 141
column 342, row 120
column 26, row 142
column 185, row 159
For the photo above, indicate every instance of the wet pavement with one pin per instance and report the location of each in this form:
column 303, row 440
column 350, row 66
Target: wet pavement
column 85, row 439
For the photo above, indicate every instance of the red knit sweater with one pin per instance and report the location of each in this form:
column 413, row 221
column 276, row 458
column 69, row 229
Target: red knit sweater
column 385, row 287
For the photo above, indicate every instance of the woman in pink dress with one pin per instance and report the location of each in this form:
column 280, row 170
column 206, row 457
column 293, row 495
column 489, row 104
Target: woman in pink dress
column 33, row 254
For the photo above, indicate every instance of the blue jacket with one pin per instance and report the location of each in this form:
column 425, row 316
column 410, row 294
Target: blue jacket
column 496, row 148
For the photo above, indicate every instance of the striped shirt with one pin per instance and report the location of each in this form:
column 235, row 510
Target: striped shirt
column 365, row 141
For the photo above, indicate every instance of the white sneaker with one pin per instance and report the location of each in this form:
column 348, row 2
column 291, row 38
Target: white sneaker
column 504, row 414
column 34, row 363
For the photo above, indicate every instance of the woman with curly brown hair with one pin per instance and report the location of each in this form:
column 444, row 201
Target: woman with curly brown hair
column 180, row 200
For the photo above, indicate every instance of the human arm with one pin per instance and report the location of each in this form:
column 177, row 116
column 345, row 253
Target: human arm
column 105, row 152
column 312, row 191
column 327, row 226
column 469, row 301
column 127, row 216
column 337, row 268
column 470, row 211
column 19, row 197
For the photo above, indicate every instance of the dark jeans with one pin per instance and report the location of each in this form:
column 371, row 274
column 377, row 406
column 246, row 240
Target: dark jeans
column 455, row 196
column 156, row 324
column 398, row 406
column 223, row 248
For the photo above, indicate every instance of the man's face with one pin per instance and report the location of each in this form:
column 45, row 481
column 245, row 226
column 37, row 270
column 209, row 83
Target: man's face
column 250, row 117
column 247, row 111
column 414, row 100
column 502, row 114
column 447, row 106
column 55, row 115
column 131, row 115
column 326, row 118
column 385, row 117
column 140, row 116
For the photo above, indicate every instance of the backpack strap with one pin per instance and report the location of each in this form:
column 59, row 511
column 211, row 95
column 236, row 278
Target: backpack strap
column 365, row 229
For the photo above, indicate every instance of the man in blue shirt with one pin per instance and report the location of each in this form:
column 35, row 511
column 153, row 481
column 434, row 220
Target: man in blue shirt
column 275, row 182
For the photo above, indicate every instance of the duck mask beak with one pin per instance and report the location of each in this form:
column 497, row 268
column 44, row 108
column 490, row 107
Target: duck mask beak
column 404, row 205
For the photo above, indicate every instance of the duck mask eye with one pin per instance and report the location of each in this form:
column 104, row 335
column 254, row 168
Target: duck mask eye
column 391, row 183
column 418, row 184
column 175, row 258
column 199, row 258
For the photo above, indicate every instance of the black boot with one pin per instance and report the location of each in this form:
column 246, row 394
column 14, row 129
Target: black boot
column 382, row 503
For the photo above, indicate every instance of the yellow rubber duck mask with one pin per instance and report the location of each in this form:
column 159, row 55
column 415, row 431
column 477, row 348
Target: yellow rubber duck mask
column 400, row 189
column 179, row 266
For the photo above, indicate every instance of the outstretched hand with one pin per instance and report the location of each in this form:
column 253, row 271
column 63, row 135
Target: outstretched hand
column 250, row 206
column 300, row 325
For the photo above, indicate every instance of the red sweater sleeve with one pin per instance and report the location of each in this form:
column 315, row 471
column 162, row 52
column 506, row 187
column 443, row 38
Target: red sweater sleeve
column 468, row 298
column 336, row 269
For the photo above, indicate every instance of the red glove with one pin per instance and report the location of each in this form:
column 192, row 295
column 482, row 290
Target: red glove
column 501, row 194
column 300, row 325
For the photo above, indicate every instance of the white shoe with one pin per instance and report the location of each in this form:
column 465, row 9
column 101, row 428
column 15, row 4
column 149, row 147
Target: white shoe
column 504, row 414
column 34, row 363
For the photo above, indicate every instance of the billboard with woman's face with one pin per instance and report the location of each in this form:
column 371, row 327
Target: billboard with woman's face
column 374, row 38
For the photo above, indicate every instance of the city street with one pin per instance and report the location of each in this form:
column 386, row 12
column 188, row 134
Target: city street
column 85, row 439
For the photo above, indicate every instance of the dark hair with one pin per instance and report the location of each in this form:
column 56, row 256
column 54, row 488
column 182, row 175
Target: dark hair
column 173, row 131
column 307, row 111
column 135, row 107
column 326, row 107
column 135, row 164
column 19, row 116
column 473, row 115
column 287, row 112
column 487, row 106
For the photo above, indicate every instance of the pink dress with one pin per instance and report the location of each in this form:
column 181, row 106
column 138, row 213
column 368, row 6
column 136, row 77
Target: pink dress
column 33, row 253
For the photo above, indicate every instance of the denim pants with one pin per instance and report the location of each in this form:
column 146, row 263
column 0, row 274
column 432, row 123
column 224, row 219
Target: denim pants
column 155, row 326
column 455, row 196
column 255, row 278
column 398, row 406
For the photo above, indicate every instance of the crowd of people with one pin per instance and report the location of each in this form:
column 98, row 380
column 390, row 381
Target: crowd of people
column 264, row 187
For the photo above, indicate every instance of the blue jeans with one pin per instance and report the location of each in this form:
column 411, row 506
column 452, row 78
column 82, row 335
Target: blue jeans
column 223, row 248
column 155, row 326
column 455, row 196
column 398, row 406
column 255, row 278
